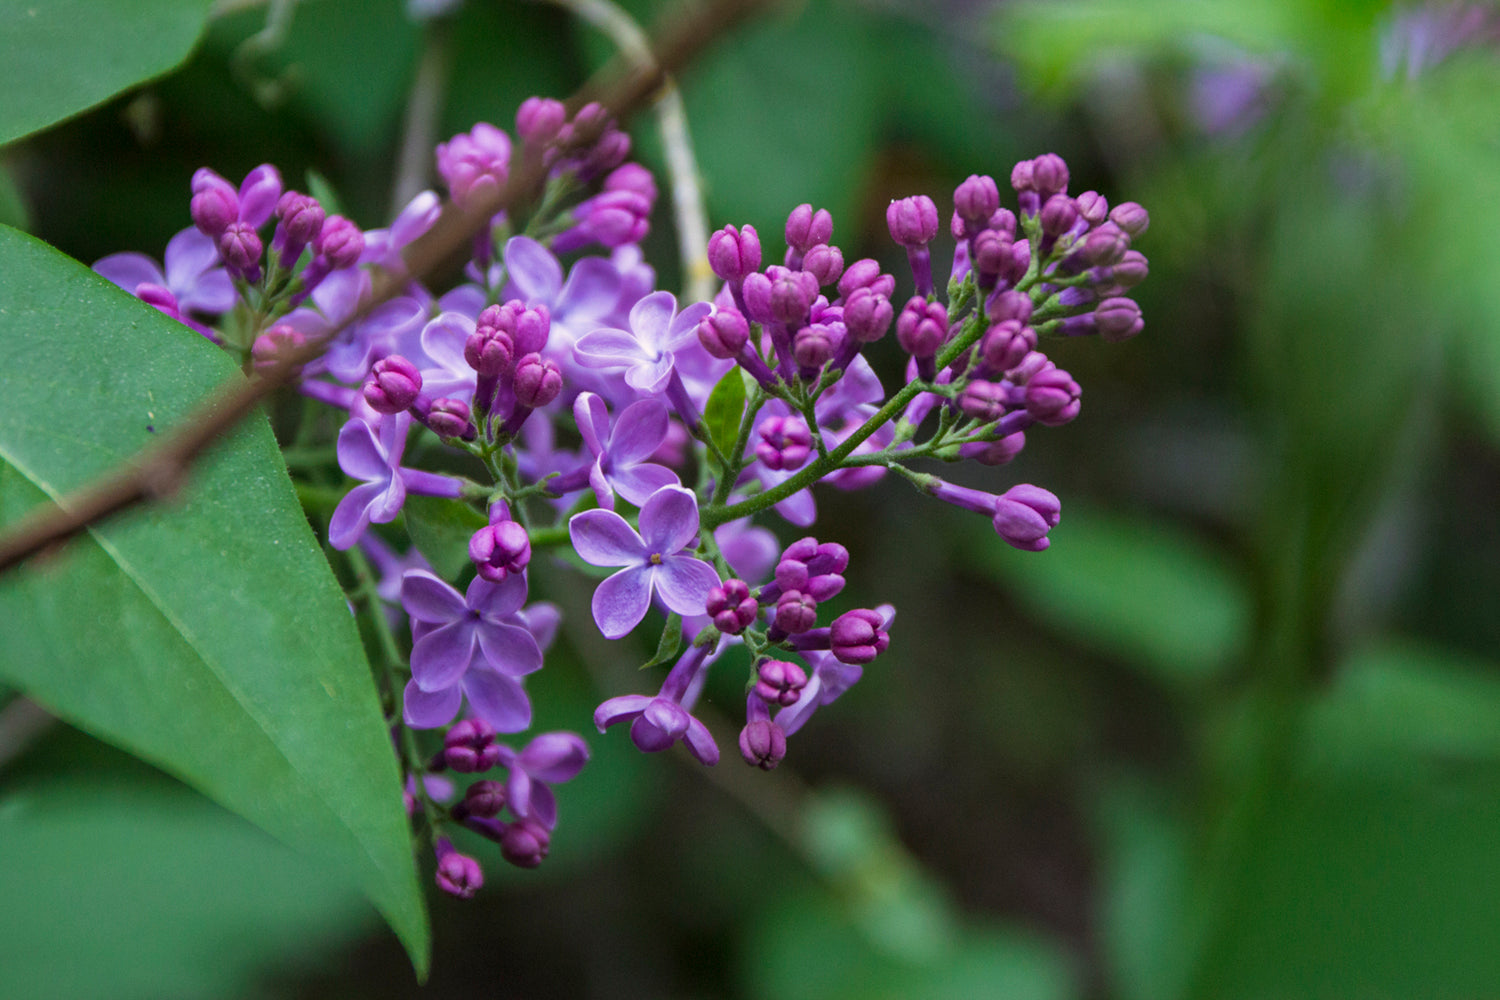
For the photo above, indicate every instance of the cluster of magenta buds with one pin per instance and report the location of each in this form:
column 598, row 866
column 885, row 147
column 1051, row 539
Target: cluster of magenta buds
column 565, row 404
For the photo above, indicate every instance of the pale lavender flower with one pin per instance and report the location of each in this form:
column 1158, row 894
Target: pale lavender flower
column 192, row 273
column 473, row 645
column 645, row 351
column 547, row 760
column 576, row 306
column 383, row 246
column 377, row 461
column 653, row 561
column 656, row 723
column 620, row 453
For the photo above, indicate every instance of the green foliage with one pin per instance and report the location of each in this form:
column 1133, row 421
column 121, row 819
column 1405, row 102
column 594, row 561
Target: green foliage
column 441, row 529
column 134, row 886
column 89, row 38
column 726, row 405
column 1143, row 590
column 206, row 636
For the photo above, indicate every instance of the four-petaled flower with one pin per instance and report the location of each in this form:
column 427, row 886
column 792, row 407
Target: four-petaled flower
column 653, row 560
column 645, row 351
column 620, row 455
column 550, row 759
column 473, row 645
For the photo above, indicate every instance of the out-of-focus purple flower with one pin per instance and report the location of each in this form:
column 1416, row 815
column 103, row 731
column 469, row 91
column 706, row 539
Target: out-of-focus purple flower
column 457, row 874
column 620, row 453
column 645, row 351
column 576, row 307
column 549, row 759
column 475, row 164
column 192, row 273
column 383, row 246
column 653, row 560
column 377, row 461
column 473, row 645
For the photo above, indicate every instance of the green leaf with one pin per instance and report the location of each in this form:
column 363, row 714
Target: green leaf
column 207, row 635
column 189, row 899
column 725, row 409
column 1142, row 590
column 670, row 643
column 12, row 205
column 60, row 57
column 322, row 189
column 441, row 528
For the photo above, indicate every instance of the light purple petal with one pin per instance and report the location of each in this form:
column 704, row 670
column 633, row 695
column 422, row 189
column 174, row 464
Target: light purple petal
column 440, row 658
column 498, row 700
column 430, row 709
column 189, row 254
column 614, row 710
column 670, row 718
column 497, row 601
column 608, row 348
column 258, row 194
column 387, row 504
column 750, row 551
column 592, row 417
column 518, row 791
column 416, row 218
column 795, row 715
column 701, row 742
column 129, row 270
column 638, row 432
column 352, row 516
column 604, row 538
column 648, row 736
column 684, row 326
column 799, row 508
column 592, row 292
column 599, row 483
column 621, row 601
column 543, row 805
column 509, row 649
column 533, row 270
column 555, row 757
column 651, row 318
column 683, row 583
column 651, row 376
column 638, row 483
column 669, row 520
column 430, row 599
column 541, row 620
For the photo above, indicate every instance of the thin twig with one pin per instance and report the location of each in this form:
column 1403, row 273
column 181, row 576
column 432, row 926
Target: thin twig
column 677, row 145
column 423, row 109
column 158, row 471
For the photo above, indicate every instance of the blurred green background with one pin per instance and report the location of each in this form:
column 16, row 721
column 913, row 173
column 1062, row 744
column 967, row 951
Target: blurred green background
column 1236, row 734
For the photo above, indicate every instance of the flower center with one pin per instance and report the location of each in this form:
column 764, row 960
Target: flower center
column 655, row 559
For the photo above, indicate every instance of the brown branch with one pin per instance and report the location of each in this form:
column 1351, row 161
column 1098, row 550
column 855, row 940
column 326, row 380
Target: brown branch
column 159, row 470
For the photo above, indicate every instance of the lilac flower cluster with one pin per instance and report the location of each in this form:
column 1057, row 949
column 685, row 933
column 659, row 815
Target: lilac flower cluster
column 584, row 408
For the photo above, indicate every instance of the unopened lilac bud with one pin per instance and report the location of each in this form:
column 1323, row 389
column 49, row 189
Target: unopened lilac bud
column 533, row 325
column 450, row 418
column 240, row 247
column 485, row 798
column 634, row 178
column 778, row 682
column 214, row 208
column 302, row 216
column 1049, row 175
column 393, row 384
column 1104, row 246
column 1024, row 514
column 1052, row 397
column 867, row 315
column 1003, row 220
column 723, row 333
column 813, row 568
column 857, row 637
column 806, row 228
column 788, row 296
column 1130, row 217
column 984, row 401
column 340, row 242
column 1021, row 176
column 538, row 381
column 813, row 346
column 785, row 442
column 524, row 843
column 1129, row 272
column 976, row 199
column 734, row 254
column 271, row 346
column 997, row 452
column 763, row 744
column 824, row 262
column 1058, row 215
column 1009, row 304
column 795, row 612
column 500, row 549
column 1029, row 366
column 992, row 251
column 539, row 120
column 732, row 608
column 922, row 327
column 489, row 350
column 1005, row 344
column 866, row 273
column 1118, row 319
column 1093, row 208
column 457, row 874
column 469, row 747
column 475, row 164
column 612, row 149
column 913, row 221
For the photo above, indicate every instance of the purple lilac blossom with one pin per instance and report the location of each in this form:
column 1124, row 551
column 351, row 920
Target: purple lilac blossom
column 377, row 460
column 645, row 351
column 383, row 246
column 653, row 560
column 192, row 273
column 576, row 306
column 620, row 453
column 549, row 759
column 471, row 645
column 656, row 723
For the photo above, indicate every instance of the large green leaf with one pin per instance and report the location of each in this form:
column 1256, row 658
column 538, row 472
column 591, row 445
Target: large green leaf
column 61, row 57
column 215, row 907
column 207, row 635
